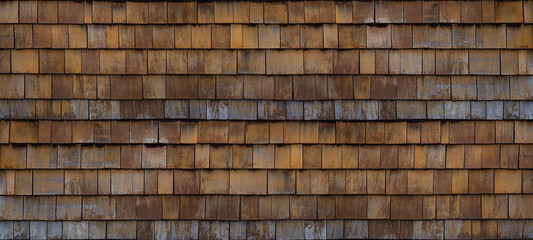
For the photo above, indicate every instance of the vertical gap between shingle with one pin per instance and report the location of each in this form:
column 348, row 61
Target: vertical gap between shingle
column 57, row 12
column 374, row 9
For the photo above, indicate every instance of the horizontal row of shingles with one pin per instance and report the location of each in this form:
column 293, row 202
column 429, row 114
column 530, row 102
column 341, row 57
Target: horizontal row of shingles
column 289, row 156
column 286, row 87
column 456, row 62
column 340, row 110
column 417, row 61
column 237, row 36
column 261, row 182
column 261, row 132
column 234, row 208
column 267, row 12
column 282, row 229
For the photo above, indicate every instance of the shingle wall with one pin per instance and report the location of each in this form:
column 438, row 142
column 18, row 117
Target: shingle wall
column 266, row 119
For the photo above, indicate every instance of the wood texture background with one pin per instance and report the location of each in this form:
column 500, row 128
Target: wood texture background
column 266, row 119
